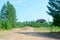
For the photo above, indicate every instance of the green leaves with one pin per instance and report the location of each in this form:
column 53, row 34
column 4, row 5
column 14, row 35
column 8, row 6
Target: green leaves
column 11, row 14
column 8, row 16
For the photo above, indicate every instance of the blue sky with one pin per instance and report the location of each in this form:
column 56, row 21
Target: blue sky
column 29, row 10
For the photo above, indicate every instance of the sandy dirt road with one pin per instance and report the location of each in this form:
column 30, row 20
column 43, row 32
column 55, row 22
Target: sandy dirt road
column 26, row 33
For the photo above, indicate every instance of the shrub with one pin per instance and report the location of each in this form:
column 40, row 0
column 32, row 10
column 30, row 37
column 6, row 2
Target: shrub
column 37, row 24
column 20, row 24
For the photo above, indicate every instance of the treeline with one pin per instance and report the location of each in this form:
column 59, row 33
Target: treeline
column 37, row 23
column 7, row 16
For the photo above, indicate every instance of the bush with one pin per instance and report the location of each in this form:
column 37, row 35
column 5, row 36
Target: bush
column 20, row 24
column 37, row 24
column 6, row 25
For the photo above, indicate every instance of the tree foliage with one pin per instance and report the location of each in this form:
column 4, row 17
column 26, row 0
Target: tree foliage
column 41, row 20
column 11, row 14
column 7, row 16
column 54, row 11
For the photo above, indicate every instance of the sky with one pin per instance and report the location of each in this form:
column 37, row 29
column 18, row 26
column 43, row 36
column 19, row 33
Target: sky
column 29, row 10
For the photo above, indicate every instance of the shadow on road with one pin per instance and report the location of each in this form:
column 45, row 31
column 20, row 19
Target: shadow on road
column 55, row 35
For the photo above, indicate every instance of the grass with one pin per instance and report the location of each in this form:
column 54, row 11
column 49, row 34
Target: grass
column 56, row 29
column 42, row 29
column 47, row 29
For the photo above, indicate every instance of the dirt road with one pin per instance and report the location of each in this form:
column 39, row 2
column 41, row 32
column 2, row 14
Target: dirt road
column 26, row 33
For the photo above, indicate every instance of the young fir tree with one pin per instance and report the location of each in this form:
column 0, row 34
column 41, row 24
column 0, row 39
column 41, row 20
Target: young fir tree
column 54, row 11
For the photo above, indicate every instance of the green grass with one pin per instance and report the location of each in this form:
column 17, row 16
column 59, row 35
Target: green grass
column 56, row 29
column 47, row 29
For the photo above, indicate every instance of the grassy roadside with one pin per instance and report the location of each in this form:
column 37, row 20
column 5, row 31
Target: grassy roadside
column 47, row 29
column 42, row 29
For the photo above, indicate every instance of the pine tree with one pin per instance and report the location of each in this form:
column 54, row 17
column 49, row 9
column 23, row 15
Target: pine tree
column 54, row 11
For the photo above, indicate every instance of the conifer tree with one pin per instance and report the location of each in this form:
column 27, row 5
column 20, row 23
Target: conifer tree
column 54, row 11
